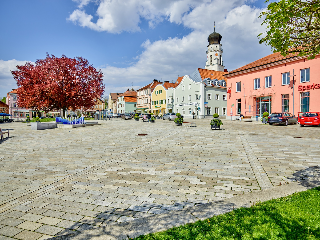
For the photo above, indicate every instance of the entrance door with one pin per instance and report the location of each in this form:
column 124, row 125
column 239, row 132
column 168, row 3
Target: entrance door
column 263, row 105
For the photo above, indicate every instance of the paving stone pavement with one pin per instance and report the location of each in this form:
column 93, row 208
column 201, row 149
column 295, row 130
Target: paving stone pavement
column 106, row 182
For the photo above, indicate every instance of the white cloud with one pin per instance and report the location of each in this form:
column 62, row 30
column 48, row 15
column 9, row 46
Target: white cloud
column 115, row 16
column 7, row 83
column 166, row 59
column 82, row 3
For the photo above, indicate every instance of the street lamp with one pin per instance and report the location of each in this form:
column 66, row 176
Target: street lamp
column 292, row 86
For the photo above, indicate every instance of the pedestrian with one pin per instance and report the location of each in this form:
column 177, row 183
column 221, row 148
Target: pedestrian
column 193, row 115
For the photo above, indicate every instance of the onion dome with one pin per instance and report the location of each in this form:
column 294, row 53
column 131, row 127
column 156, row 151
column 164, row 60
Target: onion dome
column 214, row 37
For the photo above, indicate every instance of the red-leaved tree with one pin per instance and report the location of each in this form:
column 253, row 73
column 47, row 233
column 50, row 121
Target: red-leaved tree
column 58, row 83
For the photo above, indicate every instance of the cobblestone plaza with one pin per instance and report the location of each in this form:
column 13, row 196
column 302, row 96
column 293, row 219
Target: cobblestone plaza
column 67, row 181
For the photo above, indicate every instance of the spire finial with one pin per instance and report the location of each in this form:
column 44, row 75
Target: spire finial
column 214, row 26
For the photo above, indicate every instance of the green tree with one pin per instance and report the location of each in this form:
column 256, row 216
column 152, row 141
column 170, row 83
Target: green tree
column 293, row 26
column 3, row 100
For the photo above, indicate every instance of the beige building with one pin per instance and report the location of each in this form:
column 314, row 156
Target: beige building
column 112, row 102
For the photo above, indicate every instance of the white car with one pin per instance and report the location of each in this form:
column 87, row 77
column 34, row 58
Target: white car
column 169, row 116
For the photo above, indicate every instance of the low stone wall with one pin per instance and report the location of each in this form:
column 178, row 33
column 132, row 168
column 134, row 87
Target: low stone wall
column 71, row 125
column 43, row 125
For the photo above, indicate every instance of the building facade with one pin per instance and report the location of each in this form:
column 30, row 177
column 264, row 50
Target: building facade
column 17, row 113
column 112, row 102
column 144, row 96
column 274, row 84
column 127, row 102
column 4, row 108
column 202, row 94
column 159, row 98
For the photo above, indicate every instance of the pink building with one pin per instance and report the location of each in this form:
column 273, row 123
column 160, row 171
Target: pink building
column 267, row 85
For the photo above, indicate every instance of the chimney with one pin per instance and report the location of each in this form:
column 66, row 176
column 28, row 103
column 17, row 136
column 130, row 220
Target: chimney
column 166, row 81
column 225, row 70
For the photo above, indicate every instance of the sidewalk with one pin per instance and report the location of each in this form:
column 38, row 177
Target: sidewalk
column 87, row 183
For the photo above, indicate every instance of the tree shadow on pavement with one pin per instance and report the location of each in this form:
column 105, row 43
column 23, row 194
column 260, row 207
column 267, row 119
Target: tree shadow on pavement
column 141, row 226
column 308, row 177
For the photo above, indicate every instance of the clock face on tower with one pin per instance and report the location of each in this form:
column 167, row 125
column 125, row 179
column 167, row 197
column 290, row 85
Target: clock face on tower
column 217, row 54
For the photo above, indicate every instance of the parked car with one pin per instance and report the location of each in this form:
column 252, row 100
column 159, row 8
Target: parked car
column 169, row 116
column 309, row 118
column 282, row 118
column 126, row 116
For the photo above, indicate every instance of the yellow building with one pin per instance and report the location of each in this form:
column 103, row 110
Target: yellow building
column 159, row 96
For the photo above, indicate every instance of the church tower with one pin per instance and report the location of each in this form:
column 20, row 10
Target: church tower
column 214, row 52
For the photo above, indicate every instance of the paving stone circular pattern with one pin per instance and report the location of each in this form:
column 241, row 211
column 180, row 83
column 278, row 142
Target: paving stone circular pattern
column 60, row 181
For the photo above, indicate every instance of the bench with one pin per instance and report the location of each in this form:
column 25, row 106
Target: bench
column 2, row 133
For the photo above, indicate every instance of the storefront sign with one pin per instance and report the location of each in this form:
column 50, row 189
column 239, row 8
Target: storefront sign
column 308, row 87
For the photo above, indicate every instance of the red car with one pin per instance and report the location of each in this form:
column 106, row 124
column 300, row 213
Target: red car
column 309, row 118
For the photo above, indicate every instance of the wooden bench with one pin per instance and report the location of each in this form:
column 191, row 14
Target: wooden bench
column 2, row 133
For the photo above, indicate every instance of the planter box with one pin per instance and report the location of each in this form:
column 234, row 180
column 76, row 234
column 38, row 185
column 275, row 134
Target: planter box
column 43, row 125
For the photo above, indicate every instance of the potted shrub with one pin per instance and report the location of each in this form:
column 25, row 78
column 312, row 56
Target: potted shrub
column 179, row 119
column 264, row 118
column 152, row 119
column 136, row 117
column 216, row 122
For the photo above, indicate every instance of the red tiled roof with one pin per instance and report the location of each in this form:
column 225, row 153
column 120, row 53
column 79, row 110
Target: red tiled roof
column 129, row 94
column 212, row 74
column 167, row 85
column 130, row 99
column 272, row 58
column 14, row 91
column 114, row 96
column 151, row 85
column 178, row 81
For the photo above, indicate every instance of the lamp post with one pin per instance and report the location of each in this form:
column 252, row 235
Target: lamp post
column 292, row 90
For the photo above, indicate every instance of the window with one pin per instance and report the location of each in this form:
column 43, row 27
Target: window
column 256, row 83
column 238, row 86
column 305, row 75
column 286, row 78
column 216, row 110
column 268, row 81
column 189, row 98
column 183, row 99
column 224, row 97
column 217, row 96
column 197, row 97
column 190, row 111
column 189, row 86
column 183, row 88
column 224, row 111
column 238, row 106
column 285, row 102
column 305, row 100
column 209, row 96
column 177, row 100
column 208, row 110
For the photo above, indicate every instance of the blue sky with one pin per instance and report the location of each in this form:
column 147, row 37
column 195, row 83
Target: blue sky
column 131, row 41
